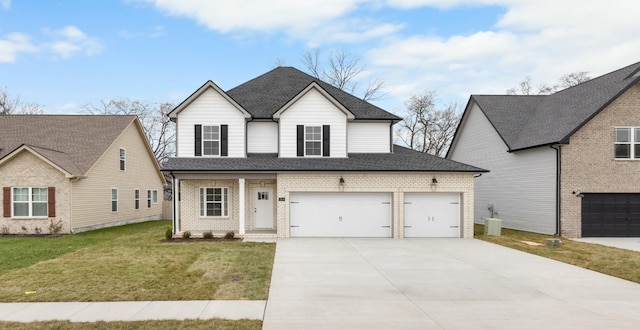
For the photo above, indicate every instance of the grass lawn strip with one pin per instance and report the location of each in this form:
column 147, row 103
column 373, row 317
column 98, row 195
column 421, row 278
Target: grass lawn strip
column 130, row 263
column 612, row 261
column 218, row 324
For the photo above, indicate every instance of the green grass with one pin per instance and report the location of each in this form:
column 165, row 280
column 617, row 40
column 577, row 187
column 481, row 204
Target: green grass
column 151, row 325
column 130, row 263
column 616, row 262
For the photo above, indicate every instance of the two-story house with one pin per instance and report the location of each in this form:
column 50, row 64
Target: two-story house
column 287, row 155
column 565, row 163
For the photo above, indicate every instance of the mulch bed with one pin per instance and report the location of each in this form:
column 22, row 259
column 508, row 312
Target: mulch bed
column 199, row 239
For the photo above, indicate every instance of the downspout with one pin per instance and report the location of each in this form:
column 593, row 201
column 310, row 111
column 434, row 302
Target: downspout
column 174, row 201
column 558, row 200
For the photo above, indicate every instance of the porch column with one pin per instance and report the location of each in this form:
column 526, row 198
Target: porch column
column 241, row 205
column 175, row 192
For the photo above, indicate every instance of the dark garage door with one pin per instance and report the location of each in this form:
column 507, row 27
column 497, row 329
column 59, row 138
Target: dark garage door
column 611, row 215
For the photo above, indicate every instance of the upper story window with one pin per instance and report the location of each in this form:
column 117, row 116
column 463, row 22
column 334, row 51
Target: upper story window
column 123, row 158
column 30, row 202
column 313, row 140
column 211, row 140
column 627, row 142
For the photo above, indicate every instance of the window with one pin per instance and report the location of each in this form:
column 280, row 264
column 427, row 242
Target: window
column 114, row 200
column 30, row 202
column 214, row 202
column 211, row 140
column 137, row 199
column 313, row 140
column 154, row 197
column 148, row 198
column 627, row 142
column 122, row 159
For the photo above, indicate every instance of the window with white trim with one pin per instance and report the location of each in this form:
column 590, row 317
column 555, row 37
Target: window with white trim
column 149, row 198
column 30, row 202
column 154, row 196
column 123, row 158
column 211, row 140
column 114, row 200
column 313, row 140
column 136, row 199
column 627, row 142
column 214, row 202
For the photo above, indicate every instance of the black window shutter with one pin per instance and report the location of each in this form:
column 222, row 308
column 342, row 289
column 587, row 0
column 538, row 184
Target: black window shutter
column 300, row 140
column 224, row 140
column 325, row 140
column 198, row 140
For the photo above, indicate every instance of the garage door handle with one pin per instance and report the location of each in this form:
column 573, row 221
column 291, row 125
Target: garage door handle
column 294, row 226
column 407, row 227
column 294, row 202
column 454, row 227
column 386, row 226
column 454, row 203
column 386, row 202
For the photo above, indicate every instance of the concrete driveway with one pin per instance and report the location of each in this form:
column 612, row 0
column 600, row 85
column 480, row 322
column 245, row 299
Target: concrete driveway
column 438, row 284
column 628, row 243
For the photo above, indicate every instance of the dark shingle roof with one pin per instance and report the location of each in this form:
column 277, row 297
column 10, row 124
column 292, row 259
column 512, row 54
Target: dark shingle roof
column 266, row 94
column 401, row 160
column 74, row 143
column 529, row 121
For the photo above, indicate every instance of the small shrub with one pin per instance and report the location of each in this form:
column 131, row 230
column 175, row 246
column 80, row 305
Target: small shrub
column 186, row 235
column 55, row 227
column 207, row 235
column 4, row 230
column 229, row 235
column 38, row 230
column 24, row 229
column 168, row 234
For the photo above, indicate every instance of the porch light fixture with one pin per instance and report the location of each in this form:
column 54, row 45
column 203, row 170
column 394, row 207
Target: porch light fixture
column 341, row 181
column 434, row 180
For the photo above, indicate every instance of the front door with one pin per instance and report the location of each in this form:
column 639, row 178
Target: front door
column 263, row 208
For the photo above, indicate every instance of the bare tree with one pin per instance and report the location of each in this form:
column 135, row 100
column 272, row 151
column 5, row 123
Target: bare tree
column 342, row 70
column 158, row 129
column 14, row 105
column 426, row 128
column 525, row 87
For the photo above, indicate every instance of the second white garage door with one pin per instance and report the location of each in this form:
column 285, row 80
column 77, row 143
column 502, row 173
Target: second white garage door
column 432, row 215
column 317, row 214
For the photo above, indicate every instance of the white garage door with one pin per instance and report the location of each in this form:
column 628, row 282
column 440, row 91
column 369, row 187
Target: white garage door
column 432, row 215
column 317, row 214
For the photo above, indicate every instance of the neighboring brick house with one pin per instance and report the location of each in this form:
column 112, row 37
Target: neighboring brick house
column 80, row 172
column 566, row 163
column 287, row 155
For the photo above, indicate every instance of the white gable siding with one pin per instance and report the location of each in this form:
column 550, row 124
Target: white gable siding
column 368, row 137
column 313, row 109
column 262, row 137
column 521, row 185
column 210, row 108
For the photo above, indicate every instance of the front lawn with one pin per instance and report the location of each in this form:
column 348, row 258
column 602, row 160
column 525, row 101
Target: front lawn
column 217, row 324
column 607, row 260
column 130, row 263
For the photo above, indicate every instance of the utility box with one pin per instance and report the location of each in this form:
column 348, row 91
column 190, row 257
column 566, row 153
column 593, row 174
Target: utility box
column 492, row 226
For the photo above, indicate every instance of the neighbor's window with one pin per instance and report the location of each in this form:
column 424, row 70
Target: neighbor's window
column 627, row 142
column 211, row 140
column 214, row 202
column 30, row 202
column 114, row 200
column 122, row 159
column 313, row 140
column 137, row 199
column 154, row 196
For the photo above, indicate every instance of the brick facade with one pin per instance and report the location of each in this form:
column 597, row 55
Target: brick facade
column 588, row 164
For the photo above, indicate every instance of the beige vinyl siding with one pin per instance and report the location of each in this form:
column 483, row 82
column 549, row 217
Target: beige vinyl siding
column 92, row 195
column 213, row 109
column 368, row 137
column 28, row 170
column 262, row 137
column 313, row 109
column 521, row 185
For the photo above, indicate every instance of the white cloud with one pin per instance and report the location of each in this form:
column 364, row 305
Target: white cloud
column 5, row 4
column 70, row 40
column 13, row 44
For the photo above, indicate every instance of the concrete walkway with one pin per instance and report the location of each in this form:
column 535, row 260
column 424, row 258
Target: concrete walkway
column 628, row 243
column 132, row 310
column 438, row 284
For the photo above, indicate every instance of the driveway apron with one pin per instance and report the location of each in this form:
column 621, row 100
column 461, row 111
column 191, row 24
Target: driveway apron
column 349, row 283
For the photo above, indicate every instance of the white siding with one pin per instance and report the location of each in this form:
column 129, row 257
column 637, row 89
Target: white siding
column 368, row 137
column 210, row 108
column 521, row 185
column 313, row 109
column 262, row 137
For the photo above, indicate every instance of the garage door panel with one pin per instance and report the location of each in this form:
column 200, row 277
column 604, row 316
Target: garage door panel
column 340, row 214
column 610, row 214
column 432, row 215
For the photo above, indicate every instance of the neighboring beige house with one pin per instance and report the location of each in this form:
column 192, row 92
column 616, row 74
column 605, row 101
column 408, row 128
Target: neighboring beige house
column 287, row 155
column 566, row 163
column 76, row 172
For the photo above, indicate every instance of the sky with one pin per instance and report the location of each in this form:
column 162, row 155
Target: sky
column 63, row 54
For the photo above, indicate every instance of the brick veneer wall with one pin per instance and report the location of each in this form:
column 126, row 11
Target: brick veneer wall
column 588, row 163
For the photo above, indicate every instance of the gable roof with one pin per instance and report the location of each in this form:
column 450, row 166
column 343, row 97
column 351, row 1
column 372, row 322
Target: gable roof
column 206, row 86
column 401, row 160
column 530, row 121
column 264, row 95
column 313, row 86
column 73, row 143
